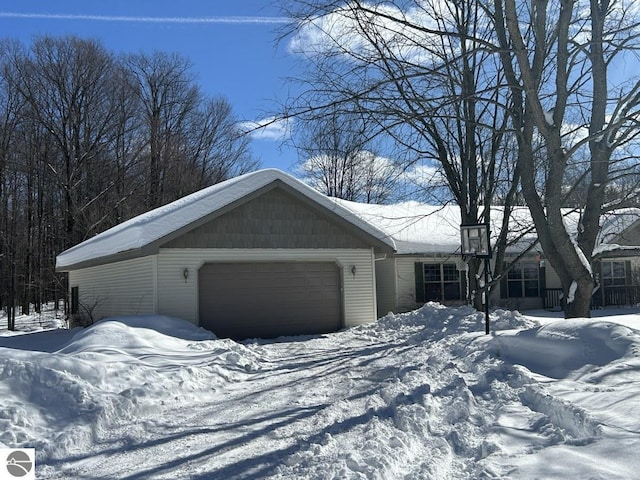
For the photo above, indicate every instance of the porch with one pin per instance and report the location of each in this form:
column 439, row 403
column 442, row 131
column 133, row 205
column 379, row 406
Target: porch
column 620, row 296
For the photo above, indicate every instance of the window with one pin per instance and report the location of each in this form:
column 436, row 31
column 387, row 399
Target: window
column 441, row 282
column 523, row 280
column 614, row 274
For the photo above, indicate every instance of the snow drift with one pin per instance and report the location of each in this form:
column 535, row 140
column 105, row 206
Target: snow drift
column 419, row 395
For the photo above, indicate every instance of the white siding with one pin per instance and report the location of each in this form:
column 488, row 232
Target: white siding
column 178, row 297
column 120, row 288
column 386, row 276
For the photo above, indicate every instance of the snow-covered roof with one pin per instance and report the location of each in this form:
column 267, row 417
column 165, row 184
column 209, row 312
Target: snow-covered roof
column 408, row 228
column 616, row 223
column 417, row 228
column 617, row 233
column 152, row 227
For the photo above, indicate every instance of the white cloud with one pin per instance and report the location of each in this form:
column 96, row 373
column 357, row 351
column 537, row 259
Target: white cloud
column 349, row 31
column 270, row 128
column 426, row 176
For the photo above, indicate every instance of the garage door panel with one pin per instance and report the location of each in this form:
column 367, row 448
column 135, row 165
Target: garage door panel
column 242, row 300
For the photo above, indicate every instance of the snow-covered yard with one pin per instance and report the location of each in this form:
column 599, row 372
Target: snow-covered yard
column 423, row 395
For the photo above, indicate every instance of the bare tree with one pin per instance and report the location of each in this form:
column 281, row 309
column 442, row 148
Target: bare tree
column 338, row 158
column 557, row 57
column 422, row 76
column 167, row 94
column 9, row 114
column 215, row 146
column 126, row 148
column 66, row 82
column 76, row 134
column 192, row 141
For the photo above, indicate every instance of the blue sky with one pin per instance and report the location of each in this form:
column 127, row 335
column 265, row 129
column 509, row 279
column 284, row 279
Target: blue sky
column 232, row 45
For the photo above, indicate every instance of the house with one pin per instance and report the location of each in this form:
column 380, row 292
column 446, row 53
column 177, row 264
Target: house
column 427, row 264
column 264, row 255
column 260, row 255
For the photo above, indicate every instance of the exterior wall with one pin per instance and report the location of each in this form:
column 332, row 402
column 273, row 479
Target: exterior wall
column 386, row 288
column 406, row 283
column 551, row 277
column 120, row 288
column 178, row 297
column 406, row 295
column 276, row 219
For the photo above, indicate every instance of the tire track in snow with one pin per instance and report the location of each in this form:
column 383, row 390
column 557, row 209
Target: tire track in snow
column 412, row 403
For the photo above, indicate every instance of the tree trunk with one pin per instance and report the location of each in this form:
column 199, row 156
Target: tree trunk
column 577, row 299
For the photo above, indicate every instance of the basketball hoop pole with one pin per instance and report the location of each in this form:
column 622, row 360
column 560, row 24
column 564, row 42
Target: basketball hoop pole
column 476, row 243
column 486, row 295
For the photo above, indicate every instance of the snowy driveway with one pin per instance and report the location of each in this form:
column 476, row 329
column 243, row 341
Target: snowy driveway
column 410, row 397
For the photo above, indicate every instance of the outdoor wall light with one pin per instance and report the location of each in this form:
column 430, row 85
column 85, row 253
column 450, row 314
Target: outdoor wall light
column 353, row 270
column 185, row 274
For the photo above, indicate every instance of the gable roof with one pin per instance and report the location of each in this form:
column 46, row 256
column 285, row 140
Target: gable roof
column 144, row 234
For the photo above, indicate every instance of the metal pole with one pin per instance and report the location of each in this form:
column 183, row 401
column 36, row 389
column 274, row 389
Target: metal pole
column 486, row 296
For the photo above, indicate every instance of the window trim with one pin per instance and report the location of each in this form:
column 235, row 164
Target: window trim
column 522, row 279
column 604, row 278
column 441, row 282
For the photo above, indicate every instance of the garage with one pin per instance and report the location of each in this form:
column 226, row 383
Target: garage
column 270, row 299
column 259, row 255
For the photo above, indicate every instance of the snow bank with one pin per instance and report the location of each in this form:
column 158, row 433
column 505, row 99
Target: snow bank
column 62, row 401
column 565, row 347
column 434, row 321
column 420, row 395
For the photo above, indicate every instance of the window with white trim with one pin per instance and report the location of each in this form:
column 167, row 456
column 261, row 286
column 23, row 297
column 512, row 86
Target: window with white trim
column 523, row 280
column 441, row 282
column 614, row 274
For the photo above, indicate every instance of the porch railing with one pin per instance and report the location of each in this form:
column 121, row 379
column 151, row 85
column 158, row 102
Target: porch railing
column 622, row 296
column 553, row 298
column 603, row 297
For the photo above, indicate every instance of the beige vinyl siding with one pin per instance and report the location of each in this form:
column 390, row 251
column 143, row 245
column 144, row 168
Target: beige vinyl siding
column 120, row 288
column 386, row 289
column 179, row 298
column 406, row 283
column 552, row 280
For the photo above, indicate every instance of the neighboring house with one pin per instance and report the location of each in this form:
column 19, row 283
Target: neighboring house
column 260, row 255
column 264, row 255
column 427, row 265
